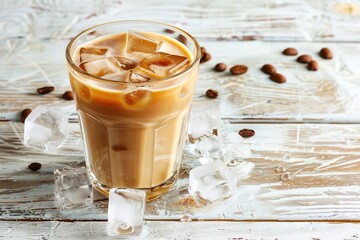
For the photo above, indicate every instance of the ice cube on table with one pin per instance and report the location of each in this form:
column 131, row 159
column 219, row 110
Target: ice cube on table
column 208, row 148
column 241, row 169
column 211, row 182
column 236, row 151
column 138, row 42
column 204, row 120
column 161, row 65
column 46, row 128
column 92, row 53
column 110, row 65
column 73, row 188
column 125, row 211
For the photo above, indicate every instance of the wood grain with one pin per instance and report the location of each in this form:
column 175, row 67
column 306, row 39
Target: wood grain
column 321, row 158
column 309, row 126
column 184, row 230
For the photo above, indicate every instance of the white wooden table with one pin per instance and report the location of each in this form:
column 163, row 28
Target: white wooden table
column 310, row 125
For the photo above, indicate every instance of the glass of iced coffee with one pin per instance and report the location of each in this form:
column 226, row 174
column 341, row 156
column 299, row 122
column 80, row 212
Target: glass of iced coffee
column 133, row 83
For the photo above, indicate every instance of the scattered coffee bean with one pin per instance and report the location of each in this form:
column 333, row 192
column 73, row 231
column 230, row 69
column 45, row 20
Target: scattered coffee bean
column 246, row 133
column 169, row 30
column 182, row 39
column 290, row 52
column 304, row 59
column 313, row 66
column 206, row 57
column 212, row 93
column 326, row 53
column 277, row 77
column 268, row 69
column 203, row 51
column 238, row 69
column 24, row 114
column 220, row 67
column 68, row 95
column 45, row 90
column 34, row 166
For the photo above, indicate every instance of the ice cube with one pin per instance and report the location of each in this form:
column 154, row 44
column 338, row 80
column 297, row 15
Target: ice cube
column 204, row 120
column 109, row 65
column 92, row 53
column 211, row 182
column 137, row 77
column 161, row 65
column 46, row 128
column 136, row 99
column 118, row 76
column 241, row 169
column 138, row 42
column 208, row 148
column 236, row 151
column 73, row 188
column 125, row 211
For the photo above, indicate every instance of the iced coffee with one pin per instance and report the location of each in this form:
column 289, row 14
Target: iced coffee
column 133, row 91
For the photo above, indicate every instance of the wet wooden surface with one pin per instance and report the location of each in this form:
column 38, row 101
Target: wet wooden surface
column 310, row 125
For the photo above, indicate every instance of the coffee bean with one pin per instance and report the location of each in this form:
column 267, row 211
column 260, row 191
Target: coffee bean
column 205, row 58
column 24, row 114
column 212, row 93
column 202, row 50
column 45, row 90
column 313, row 66
column 290, row 52
column 34, row 166
column 268, row 69
column 169, row 30
column 238, row 69
column 277, row 77
column 246, row 133
column 304, row 59
column 326, row 53
column 68, row 95
column 182, row 39
column 220, row 67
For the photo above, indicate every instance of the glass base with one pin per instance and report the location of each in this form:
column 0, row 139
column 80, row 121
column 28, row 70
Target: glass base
column 151, row 193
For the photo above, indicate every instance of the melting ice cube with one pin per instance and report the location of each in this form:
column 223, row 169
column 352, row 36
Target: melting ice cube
column 125, row 211
column 208, row 148
column 46, row 128
column 211, row 182
column 161, row 65
column 204, row 120
column 73, row 188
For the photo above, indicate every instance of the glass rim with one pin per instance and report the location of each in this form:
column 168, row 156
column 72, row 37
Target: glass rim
column 162, row 80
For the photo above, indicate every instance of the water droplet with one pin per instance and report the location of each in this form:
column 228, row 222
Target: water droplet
column 232, row 163
column 186, row 218
column 280, row 169
column 125, row 228
column 286, row 177
column 286, row 157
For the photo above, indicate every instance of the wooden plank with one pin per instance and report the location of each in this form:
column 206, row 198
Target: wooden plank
column 185, row 230
column 323, row 160
column 238, row 20
column 329, row 95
